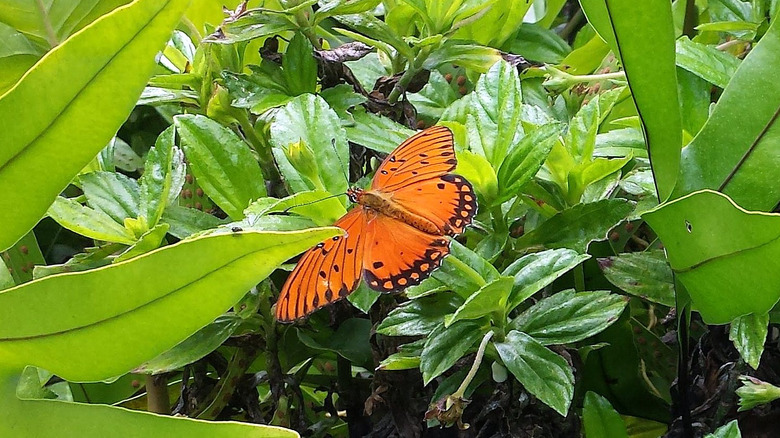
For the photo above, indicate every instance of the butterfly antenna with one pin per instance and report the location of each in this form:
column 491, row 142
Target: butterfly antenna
column 341, row 163
column 286, row 210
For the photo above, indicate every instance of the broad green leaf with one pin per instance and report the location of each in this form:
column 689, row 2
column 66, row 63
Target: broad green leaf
column 367, row 125
column 6, row 279
column 312, row 204
column 185, row 221
column 730, row 430
column 707, row 62
column 525, row 159
column 50, row 23
column 534, row 271
column 201, row 343
column 620, row 143
column 577, row 226
column 420, row 316
column 539, row 44
column 163, row 174
column 748, row 333
column 599, row 419
column 464, row 54
column 377, row 30
column 569, row 316
column 494, row 123
column 724, row 255
column 116, row 52
column 222, row 163
column 341, row 98
column 308, row 119
column 149, row 241
column 476, row 168
column 695, row 96
column 644, row 38
column 17, row 55
column 329, row 8
column 407, row 357
column 257, row 24
column 643, row 274
column 584, row 60
column 89, row 222
column 496, row 24
column 351, row 340
column 112, row 193
column 445, row 346
column 580, row 137
column 78, row 320
column 363, row 297
column 464, row 271
column 50, row 418
column 299, row 65
column 736, row 161
column 541, row 372
column 434, row 98
column 489, row 299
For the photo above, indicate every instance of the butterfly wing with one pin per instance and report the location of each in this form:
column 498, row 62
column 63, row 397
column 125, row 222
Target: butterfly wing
column 398, row 255
column 326, row 273
column 427, row 154
column 417, row 174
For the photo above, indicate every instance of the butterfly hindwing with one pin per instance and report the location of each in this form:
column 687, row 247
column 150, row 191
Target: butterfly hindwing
column 448, row 201
column 428, row 154
column 327, row 272
column 398, row 255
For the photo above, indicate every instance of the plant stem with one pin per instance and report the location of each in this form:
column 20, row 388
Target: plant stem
column 157, row 395
column 475, row 366
column 414, row 67
column 263, row 149
column 579, row 278
column 499, row 224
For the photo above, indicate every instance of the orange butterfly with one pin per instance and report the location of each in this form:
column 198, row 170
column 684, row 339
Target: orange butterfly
column 395, row 236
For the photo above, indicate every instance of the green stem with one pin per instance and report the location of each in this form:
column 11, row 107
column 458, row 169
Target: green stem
column 499, row 224
column 579, row 278
column 474, row 367
column 305, row 26
column 157, row 399
column 415, row 66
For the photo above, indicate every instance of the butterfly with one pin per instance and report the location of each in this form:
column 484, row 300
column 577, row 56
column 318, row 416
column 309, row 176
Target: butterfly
column 395, row 235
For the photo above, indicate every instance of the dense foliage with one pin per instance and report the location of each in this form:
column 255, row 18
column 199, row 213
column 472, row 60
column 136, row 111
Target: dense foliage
column 155, row 196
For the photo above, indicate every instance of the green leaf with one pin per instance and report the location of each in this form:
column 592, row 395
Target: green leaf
column 725, row 256
column 644, row 37
column 539, row 44
column 748, row 333
column 464, row 271
column 445, row 346
column 67, row 92
column 577, row 226
column 490, row 298
column 737, row 160
column 420, row 316
column 434, row 98
column 257, row 24
column 408, row 357
column 542, row 372
column 185, row 221
column 42, row 418
column 17, row 55
column 309, row 119
column 6, row 279
column 299, row 66
column 363, row 297
column 643, row 274
column 525, row 159
column 376, row 30
column 311, row 204
column 222, row 163
column 534, row 271
column 476, row 168
column 581, row 136
column 163, row 176
column 88, row 222
column 69, row 324
column 195, row 347
column 364, row 131
column 112, row 193
column 464, row 54
column 329, row 8
column 149, row 241
column 730, row 430
column 569, row 316
column 600, row 419
column 493, row 126
column 707, row 62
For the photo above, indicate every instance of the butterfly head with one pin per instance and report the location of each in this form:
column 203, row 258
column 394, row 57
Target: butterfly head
column 354, row 193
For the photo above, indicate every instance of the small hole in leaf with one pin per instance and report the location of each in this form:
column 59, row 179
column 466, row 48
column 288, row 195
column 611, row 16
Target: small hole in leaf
column 688, row 226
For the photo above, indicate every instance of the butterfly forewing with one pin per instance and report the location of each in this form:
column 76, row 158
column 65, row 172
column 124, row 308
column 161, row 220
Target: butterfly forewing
column 398, row 255
column 325, row 273
column 448, row 201
column 428, row 154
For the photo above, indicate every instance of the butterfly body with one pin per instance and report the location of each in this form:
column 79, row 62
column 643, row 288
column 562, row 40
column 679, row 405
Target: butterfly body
column 395, row 236
column 382, row 203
